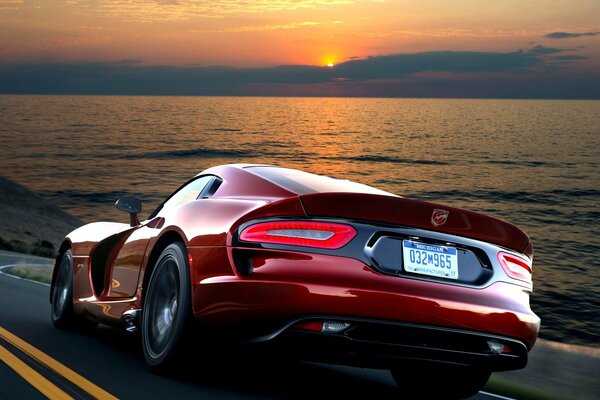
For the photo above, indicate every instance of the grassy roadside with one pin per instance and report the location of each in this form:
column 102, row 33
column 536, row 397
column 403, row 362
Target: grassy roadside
column 504, row 387
column 38, row 274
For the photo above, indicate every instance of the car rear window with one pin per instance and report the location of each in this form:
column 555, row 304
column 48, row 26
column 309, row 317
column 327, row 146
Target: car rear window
column 306, row 183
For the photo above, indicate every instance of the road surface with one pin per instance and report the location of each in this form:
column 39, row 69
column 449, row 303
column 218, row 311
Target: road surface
column 108, row 363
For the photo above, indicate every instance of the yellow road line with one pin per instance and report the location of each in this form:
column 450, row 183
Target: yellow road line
column 36, row 380
column 59, row 368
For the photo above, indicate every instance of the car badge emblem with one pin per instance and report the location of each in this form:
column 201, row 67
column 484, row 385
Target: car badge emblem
column 439, row 217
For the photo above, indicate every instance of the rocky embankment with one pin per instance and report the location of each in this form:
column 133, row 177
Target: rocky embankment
column 29, row 224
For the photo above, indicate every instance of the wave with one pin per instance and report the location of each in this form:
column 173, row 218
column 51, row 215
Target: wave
column 375, row 158
column 96, row 197
column 556, row 196
column 524, row 163
column 225, row 130
column 197, row 152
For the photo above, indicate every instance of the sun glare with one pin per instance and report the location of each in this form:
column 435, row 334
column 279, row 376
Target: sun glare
column 330, row 65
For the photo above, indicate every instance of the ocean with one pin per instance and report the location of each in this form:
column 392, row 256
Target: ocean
column 535, row 163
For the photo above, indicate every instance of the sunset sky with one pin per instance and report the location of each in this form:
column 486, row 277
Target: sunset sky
column 402, row 42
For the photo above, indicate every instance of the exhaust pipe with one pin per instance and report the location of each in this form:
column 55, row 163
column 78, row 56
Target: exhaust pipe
column 131, row 319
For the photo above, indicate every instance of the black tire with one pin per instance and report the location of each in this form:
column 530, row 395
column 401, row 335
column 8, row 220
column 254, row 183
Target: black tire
column 447, row 382
column 61, row 298
column 167, row 308
column 61, row 294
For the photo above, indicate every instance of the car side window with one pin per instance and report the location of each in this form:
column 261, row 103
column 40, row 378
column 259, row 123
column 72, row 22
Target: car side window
column 189, row 192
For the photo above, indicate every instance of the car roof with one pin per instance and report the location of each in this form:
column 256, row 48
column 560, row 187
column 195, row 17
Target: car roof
column 292, row 181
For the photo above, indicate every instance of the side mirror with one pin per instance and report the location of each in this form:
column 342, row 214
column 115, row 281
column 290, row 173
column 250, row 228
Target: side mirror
column 132, row 206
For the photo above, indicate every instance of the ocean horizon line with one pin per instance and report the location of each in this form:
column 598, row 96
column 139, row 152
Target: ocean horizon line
column 292, row 96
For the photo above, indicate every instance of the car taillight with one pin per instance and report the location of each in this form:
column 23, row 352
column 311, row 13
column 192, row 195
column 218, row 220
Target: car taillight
column 515, row 267
column 323, row 235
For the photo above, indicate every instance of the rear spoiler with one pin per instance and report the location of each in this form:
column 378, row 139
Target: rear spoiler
column 418, row 214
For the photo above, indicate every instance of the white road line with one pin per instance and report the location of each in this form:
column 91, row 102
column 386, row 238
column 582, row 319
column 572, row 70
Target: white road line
column 497, row 396
column 22, row 265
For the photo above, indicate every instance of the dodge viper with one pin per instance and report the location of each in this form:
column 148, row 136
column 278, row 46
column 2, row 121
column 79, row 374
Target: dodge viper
column 330, row 270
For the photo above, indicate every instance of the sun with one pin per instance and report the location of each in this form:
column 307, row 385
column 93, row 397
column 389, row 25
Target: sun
column 329, row 61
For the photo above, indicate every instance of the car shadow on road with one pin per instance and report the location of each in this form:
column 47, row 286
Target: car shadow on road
column 258, row 375
column 291, row 379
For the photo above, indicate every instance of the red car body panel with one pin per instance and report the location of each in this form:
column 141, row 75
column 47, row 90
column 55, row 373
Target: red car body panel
column 85, row 238
column 112, row 263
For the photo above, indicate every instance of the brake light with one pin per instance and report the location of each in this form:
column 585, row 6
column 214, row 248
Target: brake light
column 515, row 267
column 323, row 235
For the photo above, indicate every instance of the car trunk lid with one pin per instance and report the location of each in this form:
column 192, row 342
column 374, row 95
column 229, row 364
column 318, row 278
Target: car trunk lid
column 418, row 214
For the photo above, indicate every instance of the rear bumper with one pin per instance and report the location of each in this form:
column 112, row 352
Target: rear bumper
column 385, row 344
column 285, row 287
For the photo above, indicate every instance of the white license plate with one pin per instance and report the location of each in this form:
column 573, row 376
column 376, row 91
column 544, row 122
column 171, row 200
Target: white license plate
column 430, row 259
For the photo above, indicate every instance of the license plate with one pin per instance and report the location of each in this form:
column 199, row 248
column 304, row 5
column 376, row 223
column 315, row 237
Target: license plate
column 430, row 259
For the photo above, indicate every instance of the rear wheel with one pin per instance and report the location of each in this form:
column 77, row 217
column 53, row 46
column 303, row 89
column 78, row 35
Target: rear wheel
column 167, row 308
column 440, row 382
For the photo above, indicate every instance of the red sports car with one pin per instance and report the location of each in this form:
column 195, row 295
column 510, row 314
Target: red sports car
column 329, row 269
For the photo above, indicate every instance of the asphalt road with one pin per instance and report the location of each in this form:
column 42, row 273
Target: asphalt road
column 113, row 361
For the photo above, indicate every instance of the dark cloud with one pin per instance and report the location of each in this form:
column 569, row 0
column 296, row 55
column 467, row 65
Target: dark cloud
column 569, row 58
column 126, row 61
column 400, row 65
column 132, row 77
column 567, row 35
column 540, row 50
